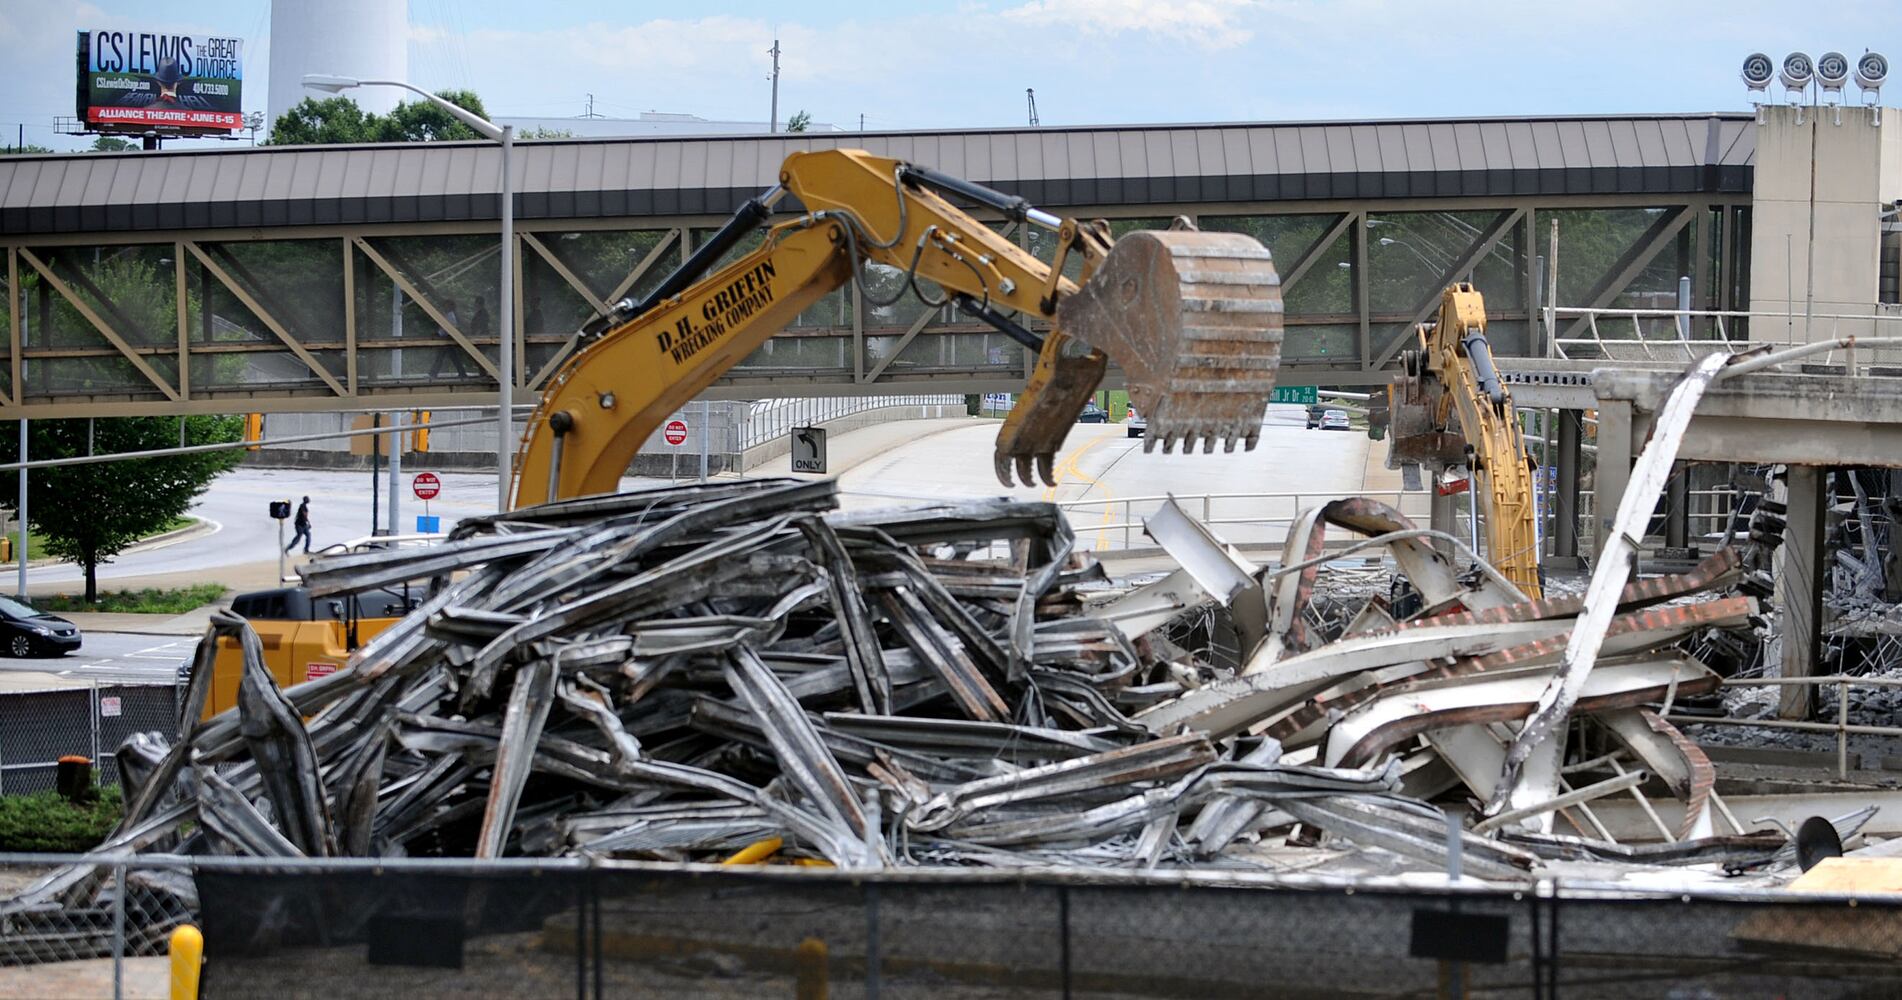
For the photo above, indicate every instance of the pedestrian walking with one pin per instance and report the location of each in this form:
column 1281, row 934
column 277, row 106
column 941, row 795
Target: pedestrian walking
column 302, row 525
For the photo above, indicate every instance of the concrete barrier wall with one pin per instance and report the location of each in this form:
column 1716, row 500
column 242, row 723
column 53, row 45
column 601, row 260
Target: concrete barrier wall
column 765, row 452
column 728, row 428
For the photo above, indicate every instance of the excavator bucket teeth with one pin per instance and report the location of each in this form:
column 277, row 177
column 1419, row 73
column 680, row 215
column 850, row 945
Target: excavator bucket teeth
column 1066, row 374
column 1194, row 321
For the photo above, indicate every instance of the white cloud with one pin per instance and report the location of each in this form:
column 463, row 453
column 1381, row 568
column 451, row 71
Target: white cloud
column 1214, row 24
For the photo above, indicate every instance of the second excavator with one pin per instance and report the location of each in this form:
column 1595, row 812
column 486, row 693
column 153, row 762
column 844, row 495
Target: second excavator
column 1449, row 408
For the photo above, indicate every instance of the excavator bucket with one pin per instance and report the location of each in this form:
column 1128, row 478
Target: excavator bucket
column 1194, row 321
column 1415, row 422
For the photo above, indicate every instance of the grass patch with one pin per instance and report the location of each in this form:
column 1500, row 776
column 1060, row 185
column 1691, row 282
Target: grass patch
column 142, row 602
column 36, row 543
column 44, row 822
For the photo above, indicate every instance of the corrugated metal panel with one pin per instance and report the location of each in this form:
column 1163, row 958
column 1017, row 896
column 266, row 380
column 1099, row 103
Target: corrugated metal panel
column 1650, row 144
column 1160, row 154
column 1496, row 145
column 98, row 183
column 1208, row 153
column 1135, row 166
column 68, row 186
column 1683, row 143
column 1522, row 146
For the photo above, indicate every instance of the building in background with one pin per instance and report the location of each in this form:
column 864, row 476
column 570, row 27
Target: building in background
column 368, row 39
column 650, row 123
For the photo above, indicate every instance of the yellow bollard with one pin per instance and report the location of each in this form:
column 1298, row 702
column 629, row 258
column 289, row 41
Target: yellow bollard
column 810, row 980
column 188, row 954
column 755, row 852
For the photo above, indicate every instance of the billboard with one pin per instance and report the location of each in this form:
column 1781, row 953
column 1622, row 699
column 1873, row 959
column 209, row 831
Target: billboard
column 155, row 81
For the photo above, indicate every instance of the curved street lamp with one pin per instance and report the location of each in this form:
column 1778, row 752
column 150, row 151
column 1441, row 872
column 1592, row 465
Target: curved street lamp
column 505, row 312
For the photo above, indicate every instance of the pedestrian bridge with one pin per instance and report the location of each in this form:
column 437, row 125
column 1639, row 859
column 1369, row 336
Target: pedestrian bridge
column 359, row 277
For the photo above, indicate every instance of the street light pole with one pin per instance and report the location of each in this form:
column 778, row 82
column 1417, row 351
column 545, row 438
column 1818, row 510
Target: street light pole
column 505, row 313
column 505, row 331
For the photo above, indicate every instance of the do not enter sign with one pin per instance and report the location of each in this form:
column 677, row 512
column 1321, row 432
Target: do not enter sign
column 426, row 486
column 675, row 432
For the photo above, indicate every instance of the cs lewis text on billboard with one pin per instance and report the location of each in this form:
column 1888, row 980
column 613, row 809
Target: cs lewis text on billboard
column 155, row 79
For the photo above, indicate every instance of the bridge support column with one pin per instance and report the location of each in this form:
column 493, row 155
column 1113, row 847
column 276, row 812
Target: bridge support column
column 1443, row 515
column 1613, row 471
column 1565, row 518
column 1800, row 586
column 1677, row 507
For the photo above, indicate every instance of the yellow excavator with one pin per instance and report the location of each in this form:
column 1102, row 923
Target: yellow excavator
column 1193, row 319
column 1449, row 408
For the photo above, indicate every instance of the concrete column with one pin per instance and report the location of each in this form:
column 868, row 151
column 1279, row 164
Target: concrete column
column 1613, row 472
column 1800, row 585
column 1677, row 507
column 1443, row 515
column 1565, row 528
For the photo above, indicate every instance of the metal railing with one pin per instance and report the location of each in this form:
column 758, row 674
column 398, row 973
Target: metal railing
column 767, row 419
column 1842, row 727
column 1103, row 523
column 1682, row 334
column 1121, row 521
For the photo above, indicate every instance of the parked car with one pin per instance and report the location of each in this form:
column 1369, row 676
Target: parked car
column 27, row 631
column 1335, row 420
column 1135, row 424
column 1093, row 414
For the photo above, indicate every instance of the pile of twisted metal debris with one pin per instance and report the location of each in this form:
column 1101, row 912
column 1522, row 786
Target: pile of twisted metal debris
column 679, row 673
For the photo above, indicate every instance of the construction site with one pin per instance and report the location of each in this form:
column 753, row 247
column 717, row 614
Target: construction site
column 1598, row 699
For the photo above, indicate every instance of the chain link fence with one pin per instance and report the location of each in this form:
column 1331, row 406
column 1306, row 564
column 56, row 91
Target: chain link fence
column 399, row 928
column 37, row 728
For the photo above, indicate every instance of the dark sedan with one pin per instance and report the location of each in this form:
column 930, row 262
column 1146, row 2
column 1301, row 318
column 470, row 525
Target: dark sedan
column 26, row 631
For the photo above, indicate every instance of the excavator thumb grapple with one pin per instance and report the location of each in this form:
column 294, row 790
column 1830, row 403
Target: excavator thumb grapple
column 1194, row 321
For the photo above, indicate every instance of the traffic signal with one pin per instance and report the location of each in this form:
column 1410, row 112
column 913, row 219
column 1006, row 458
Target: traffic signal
column 419, row 435
column 254, row 428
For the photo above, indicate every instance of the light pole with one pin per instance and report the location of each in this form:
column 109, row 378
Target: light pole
column 505, row 313
column 1388, row 241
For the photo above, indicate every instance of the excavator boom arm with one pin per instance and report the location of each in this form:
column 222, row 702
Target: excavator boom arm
column 1193, row 318
column 1451, row 385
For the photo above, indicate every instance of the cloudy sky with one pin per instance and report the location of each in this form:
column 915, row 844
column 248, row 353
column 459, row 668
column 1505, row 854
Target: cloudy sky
column 958, row 63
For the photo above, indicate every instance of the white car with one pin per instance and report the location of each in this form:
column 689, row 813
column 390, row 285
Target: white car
column 1134, row 424
column 1335, row 420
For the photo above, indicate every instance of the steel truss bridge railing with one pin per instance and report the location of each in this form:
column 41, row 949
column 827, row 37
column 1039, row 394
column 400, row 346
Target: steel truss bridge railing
column 1677, row 335
column 358, row 317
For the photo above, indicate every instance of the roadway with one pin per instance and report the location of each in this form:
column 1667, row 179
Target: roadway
column 112, row 658
column 1100, row 462
column 936, row 461
column 241, row 549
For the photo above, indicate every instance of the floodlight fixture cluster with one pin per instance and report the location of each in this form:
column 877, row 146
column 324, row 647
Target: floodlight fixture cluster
column 1829, row 74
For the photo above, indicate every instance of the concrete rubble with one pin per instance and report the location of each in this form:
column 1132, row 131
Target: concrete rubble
column 685, row 673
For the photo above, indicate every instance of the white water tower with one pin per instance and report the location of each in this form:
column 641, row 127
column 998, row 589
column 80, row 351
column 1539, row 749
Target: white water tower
column 367, row 39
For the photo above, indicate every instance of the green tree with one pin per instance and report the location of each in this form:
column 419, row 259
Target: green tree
column 799, row 122
column 423, row 121
column 313, row 122
column 90, row 513
column 546, row 133
column 26, row 150
column 110, row 144
column 338, row 119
